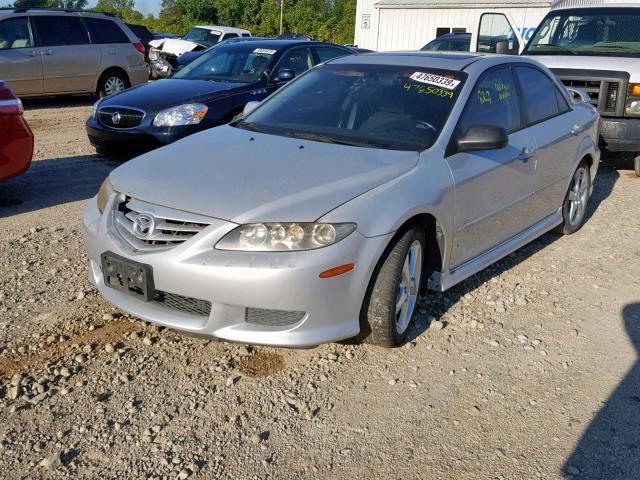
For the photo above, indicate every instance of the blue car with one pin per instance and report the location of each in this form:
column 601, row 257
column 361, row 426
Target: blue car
column 212, row 90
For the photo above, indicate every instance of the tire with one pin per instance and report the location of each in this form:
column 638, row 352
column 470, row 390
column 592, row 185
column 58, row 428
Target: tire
column 381, row 324
column 636, row 165
column 574, row 207
column 112, row 82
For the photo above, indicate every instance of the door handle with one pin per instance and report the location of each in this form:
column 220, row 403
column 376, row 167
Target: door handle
column 525, row 155
column 576, row 129
column 47, row 52
column 32, row 53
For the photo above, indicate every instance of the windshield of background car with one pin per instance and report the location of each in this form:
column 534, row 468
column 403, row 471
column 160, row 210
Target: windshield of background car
column 595, row 31
column 202, row 36
column 447, row 46
column 237, row 62
column 379, row 106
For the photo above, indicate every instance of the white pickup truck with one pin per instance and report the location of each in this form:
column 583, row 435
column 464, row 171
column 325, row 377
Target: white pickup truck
column 593, row 47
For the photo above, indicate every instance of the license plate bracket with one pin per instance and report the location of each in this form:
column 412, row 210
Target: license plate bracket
column 127, row 276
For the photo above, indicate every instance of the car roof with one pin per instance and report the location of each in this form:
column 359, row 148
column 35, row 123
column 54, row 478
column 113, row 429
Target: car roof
column 446, row 60
column 11, row 11
column 222, row 28
column 454, row 35
column 277, row 44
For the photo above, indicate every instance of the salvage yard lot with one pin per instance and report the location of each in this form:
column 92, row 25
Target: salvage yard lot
column 528, row 370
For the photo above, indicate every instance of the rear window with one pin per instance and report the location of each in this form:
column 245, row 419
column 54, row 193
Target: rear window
column 105, row 31
column 60, row 30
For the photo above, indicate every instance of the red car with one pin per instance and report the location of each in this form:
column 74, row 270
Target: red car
column 16, row 138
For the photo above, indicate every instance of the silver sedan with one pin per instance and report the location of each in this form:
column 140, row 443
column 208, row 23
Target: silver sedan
column 324, row 212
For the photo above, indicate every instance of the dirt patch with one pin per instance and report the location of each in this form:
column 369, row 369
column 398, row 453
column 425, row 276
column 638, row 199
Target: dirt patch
column 28, row 362
column 261, row 364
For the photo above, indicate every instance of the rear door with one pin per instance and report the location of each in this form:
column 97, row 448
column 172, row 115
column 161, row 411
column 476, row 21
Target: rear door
column 20, row 61
column 70, row 63
column 555, row 127
column 492, row 187
column 497, row 32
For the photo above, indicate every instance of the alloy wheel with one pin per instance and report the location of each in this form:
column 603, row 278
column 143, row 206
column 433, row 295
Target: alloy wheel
column 578, row 196
column 408, row 288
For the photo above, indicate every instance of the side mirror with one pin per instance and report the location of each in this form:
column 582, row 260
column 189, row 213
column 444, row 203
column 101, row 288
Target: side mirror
column 502, row 47
column 578, row 95
column 284, row 75
column 483, row 137
column 249, row 107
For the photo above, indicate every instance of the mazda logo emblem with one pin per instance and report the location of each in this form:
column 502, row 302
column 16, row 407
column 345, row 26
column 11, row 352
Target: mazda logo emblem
column 116, row 117
column 144, row 225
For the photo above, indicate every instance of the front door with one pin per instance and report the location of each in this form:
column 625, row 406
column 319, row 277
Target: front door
column 70, row 63
column 20, row 62
column 492, row 187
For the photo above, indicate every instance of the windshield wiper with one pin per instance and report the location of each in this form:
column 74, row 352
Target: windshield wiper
column 561, row 47
column 328, row 139
column 248, row 126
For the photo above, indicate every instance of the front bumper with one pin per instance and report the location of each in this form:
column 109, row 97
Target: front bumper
column 236, row 281
column 621, row 134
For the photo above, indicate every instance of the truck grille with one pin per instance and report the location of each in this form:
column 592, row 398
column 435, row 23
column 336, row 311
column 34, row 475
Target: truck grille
column 606, row 89
column 120, row 117
column 148, row 227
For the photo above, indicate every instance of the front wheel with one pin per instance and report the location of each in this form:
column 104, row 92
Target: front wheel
column 574, row 208
column 387, row 313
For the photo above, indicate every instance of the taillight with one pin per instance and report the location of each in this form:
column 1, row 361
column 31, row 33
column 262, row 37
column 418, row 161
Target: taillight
column 139, row 47
column 9, row 103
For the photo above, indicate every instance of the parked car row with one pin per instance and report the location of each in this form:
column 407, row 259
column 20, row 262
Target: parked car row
column 323, row 211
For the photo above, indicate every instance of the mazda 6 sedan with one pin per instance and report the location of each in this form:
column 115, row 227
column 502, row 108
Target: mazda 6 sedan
column 326, row 210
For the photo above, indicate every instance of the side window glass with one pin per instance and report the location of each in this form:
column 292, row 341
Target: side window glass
column 299, row 60
column 230, row 35
column 105, row 31
column 60, row 30
column 496, row 35
column 494, row 101
column 327, row 53
column 539, row 92
column 14, row 33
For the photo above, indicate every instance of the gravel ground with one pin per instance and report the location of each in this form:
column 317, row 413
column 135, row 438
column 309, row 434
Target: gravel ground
column 528, row 370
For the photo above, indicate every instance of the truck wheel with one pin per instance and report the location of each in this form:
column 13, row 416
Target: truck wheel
column 575, row 203
column 636, row 165
column 388, row 308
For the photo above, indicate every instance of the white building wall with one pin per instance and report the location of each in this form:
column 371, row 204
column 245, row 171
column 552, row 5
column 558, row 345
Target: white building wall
column 411, row 28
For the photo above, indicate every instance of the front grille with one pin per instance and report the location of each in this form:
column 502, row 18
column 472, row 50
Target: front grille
column 117, row 117
column 180, row 303
column 273, row 318
column 168, row 228
column 592, row 87
column 612, row 97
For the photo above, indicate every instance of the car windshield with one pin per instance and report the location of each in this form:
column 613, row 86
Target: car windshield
column 240, row 62
column 378, row 106
column 202, row 36
column 450, row 45
column 595, row 31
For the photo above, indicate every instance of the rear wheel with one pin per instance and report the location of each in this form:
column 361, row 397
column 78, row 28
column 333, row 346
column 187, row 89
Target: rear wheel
column 387, row 313
column 575, row 204
column 112, row 82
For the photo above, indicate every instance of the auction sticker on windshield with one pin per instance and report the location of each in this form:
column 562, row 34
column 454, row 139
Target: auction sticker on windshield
column 431, row 79
column 264, row 51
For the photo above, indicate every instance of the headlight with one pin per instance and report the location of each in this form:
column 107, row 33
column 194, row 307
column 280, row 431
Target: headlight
column 106, row 189
column 153, row 55
column 632, row 108
column 94, row 110
column 284, row 237
column 188, row 114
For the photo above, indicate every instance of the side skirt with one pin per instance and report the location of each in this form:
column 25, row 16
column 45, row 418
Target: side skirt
column 441, row 281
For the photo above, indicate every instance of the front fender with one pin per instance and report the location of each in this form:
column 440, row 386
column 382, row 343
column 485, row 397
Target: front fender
column 425, row 189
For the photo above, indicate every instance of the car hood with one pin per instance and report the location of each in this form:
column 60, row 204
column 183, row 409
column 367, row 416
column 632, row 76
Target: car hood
column 155, row 96
column 174, row 46
column 244, row 177
column 590, row 63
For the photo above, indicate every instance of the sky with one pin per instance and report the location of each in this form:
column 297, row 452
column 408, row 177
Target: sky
column 143, row 6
